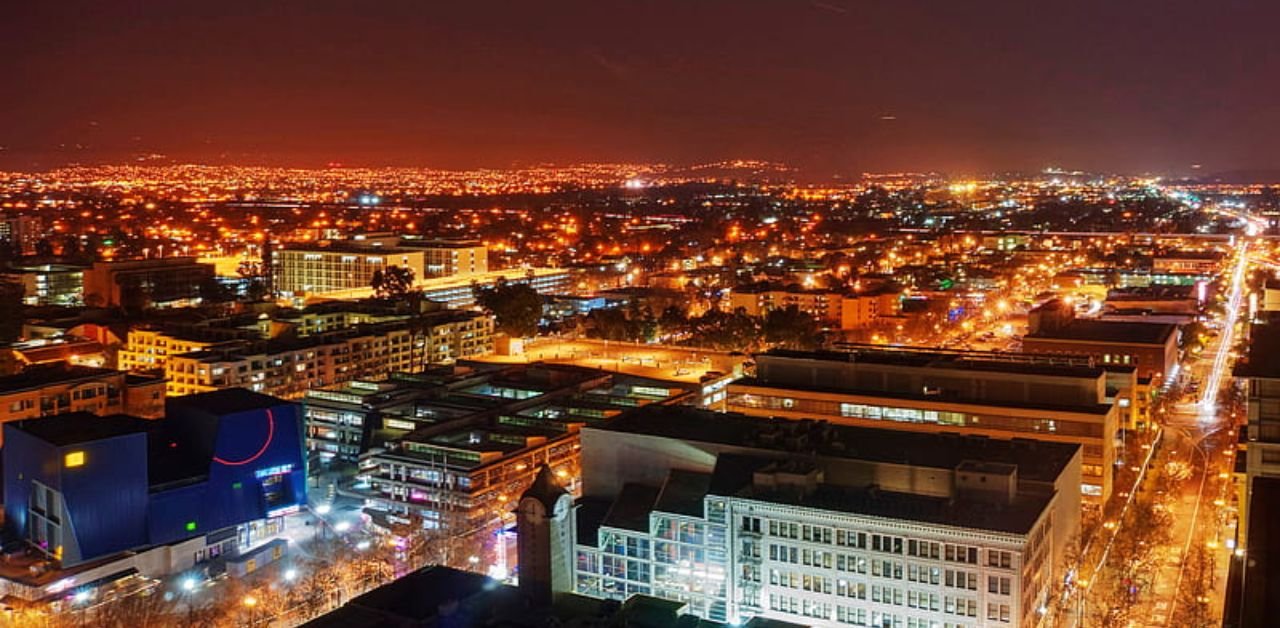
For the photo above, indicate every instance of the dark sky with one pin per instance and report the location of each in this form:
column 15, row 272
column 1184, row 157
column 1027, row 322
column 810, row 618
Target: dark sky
column 1130, row 85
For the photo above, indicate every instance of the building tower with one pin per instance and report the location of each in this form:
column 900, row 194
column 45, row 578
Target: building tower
column 543, row 532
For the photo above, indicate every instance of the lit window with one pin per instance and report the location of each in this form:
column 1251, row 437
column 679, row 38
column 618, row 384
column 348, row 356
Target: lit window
column 74, row 459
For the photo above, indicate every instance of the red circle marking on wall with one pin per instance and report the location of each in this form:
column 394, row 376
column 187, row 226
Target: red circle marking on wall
column 271, row 432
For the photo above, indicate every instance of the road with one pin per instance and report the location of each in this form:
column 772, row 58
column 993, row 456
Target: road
column 1199, row 435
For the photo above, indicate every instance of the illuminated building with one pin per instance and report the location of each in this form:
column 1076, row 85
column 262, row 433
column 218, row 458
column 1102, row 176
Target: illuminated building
column 51, row 284
column 350, row 264
column 21, row 231
column 103, row 497
column 160, row 282
column 459, row 450
column 58, row 388
column 1152, row 348
column 288, row 367
column 997, row 395
column 820, row 524
column 834, row 308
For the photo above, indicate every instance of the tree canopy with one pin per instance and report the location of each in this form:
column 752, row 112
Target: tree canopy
column 516, row 307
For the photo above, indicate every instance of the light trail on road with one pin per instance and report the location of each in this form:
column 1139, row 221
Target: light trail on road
column 1208, row 402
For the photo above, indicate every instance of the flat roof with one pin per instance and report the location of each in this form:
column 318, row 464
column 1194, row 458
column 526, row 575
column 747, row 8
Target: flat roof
column 1036, row 460
column 733, row 477
column 1099, row 409
column 227, row 401
column 1125, row 332
column 945, row 359
column 41, row 375
column 76, row 428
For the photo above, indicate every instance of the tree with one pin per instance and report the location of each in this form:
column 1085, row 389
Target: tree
column 11, row 319
column 791, row 328
column 516, row 307
column 44, row 248
column 392, row 282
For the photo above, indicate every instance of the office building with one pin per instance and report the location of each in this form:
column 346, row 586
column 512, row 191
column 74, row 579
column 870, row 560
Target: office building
column 999, row 395
column 818, row 524
column 158, row 282
column 1152, row 348
column 99, row 498
column 50, row 284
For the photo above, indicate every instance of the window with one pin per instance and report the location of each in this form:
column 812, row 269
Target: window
column 74, row 459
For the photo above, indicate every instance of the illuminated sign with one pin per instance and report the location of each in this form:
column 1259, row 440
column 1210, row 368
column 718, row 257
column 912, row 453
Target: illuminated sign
column 270, row 471
column 74, row 459
column 280, row 512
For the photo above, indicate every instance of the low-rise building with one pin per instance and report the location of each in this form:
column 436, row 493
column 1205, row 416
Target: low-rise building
column 159, row 282
column 58, row 388
column 456, row 450
column 97, row 499
column 51, row 284
column 1053, row 399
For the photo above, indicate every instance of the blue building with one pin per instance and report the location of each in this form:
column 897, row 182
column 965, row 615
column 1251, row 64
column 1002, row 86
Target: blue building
column 224, row 466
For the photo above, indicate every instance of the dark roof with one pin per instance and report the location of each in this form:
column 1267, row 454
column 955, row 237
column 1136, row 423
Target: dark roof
column 545, row 489
column 81, row 427
column 630, row 511
column 41, row 375
column 227, row 401
column 1110, row 331
column 1041, row 461
column 733, row 477
column 942, row 359
column 682, row 493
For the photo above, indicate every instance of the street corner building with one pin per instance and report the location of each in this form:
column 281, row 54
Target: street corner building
column 99, row 497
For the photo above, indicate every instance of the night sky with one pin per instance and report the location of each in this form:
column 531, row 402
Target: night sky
column 834, row 86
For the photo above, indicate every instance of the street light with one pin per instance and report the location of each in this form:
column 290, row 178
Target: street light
column 188, row 584
column 250, row 602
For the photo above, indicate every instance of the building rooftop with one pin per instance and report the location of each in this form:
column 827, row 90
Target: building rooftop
column 1036, row 460
column 75, row 428
column 42, row 375
column 733, row 477
column 948, row 359
column 1110, row 331
column 630, row 510
column 226, row 401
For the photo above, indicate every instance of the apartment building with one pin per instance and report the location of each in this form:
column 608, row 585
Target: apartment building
column 288, row 366
column 833, row 307
column 741, row 517
column 335, row 266
column 58, row 388
column 1055, row 399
